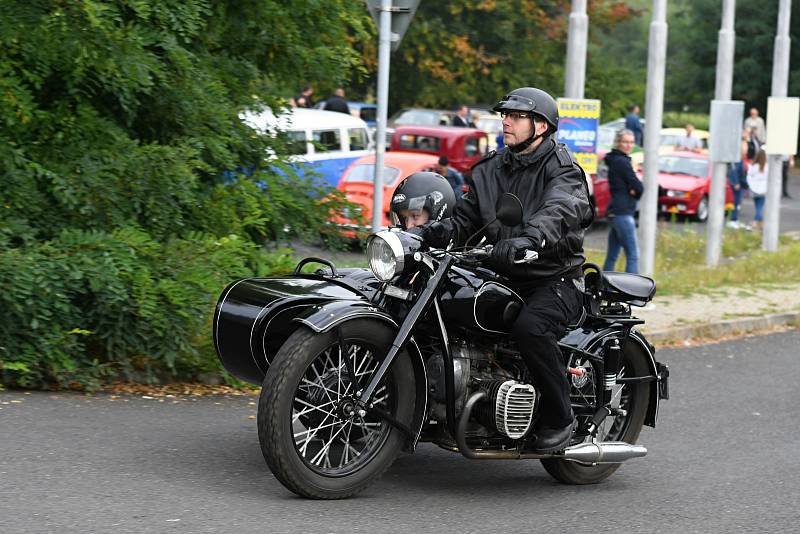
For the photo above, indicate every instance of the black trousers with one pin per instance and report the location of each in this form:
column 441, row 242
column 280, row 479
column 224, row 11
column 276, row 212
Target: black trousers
column 549, row 309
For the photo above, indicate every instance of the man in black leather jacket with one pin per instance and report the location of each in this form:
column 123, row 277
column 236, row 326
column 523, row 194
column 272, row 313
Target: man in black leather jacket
column 556, row 209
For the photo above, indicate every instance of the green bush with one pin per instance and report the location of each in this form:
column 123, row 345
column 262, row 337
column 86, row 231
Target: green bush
column 89, row 306
column 679, row 119
column 132, row 191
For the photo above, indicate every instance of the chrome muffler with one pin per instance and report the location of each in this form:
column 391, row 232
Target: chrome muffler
column 601, row 452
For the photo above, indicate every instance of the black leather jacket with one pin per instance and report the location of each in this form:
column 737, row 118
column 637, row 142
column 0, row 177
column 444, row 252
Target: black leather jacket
column 556, row 209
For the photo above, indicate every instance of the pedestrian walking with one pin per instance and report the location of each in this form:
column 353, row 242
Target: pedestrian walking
column 336, row 102
column 737, row 178
column 788, row 161
column 626, row 189
column 453, row 177
column 303, row 100
column 634, row 124
column 462, row 118
column 689, row 141
column 757, row 183
column 755, row 122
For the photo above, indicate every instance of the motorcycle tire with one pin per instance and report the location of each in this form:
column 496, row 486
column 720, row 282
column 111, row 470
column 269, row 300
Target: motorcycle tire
column 630, row 426
column 301, row 423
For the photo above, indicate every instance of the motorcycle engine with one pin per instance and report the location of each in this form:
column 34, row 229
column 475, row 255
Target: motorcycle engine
column 509, row 407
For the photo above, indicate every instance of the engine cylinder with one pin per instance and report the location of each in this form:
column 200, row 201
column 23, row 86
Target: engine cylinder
column 508, row 408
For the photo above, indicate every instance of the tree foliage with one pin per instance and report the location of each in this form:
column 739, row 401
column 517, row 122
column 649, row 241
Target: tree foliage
column 471, row 51
column 131, row 190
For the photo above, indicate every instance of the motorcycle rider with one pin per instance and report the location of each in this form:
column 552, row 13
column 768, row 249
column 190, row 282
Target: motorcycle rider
column 555, row 199
column 421, row 198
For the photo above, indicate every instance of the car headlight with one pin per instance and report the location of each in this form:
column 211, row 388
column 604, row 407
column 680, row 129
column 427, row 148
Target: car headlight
column 390, row 252
column 677, row 194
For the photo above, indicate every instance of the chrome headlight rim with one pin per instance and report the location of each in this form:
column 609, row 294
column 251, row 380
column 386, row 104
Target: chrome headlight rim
column 395, row 245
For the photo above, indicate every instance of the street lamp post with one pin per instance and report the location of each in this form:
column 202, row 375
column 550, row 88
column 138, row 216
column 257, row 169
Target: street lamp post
column 654, row 108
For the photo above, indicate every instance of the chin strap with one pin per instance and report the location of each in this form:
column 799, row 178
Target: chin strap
column 519, row 147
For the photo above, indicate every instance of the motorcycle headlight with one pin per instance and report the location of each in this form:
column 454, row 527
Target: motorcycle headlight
column 390, row 252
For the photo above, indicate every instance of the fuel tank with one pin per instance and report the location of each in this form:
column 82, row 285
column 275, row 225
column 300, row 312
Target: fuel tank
column 254, row 316
column 477, row 299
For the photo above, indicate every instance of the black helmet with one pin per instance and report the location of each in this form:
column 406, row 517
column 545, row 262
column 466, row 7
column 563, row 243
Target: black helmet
column 533, row 100
column 423, row 190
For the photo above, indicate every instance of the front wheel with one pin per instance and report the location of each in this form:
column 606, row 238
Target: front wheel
column 631, row 397
column 314, row 441
column 702, row 210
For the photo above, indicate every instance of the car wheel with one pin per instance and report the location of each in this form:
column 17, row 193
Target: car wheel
column 702, row 210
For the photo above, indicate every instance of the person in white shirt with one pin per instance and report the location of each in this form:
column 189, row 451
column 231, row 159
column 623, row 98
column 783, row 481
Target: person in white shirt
column 757, row 183
column 689, row 142
column 757, row 123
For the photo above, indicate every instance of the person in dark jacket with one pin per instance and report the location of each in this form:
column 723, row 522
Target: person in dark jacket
column 336, row 102
column 634, row 124
column 556, row 209
column 626, row 189
column 454, row 178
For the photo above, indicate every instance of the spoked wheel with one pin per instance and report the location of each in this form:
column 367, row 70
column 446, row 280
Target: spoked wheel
column 633, row 398
column 315, row 438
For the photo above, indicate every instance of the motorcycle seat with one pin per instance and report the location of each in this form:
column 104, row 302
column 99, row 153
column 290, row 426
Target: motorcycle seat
column 634, row 289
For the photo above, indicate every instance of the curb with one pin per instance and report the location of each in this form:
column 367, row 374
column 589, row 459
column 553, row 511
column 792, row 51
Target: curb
column 712, row 331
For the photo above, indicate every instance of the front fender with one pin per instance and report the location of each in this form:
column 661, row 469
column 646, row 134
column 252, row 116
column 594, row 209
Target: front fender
column 326, row 316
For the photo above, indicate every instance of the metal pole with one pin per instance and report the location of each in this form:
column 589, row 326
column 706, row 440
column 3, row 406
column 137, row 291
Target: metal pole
column 723, row 90
column 654, row 108
column 780, row 87
column 575, row 76
column 384, row 50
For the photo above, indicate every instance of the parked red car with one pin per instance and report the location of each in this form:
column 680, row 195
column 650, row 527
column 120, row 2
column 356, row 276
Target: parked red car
column 462, row 146
column 357, row 185
column 600, row 189
column 684, row 179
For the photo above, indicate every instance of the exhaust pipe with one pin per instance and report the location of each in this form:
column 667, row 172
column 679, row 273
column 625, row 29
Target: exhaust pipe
column 603, row 452
column 608, row 452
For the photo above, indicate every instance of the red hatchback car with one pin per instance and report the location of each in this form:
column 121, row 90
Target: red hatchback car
column 684, row 179
column 357, row 185
column 462, row 146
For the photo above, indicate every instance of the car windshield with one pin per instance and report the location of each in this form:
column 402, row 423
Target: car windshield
column 692, row 166
column 366, row 171
column 419, row 142
column 418, row 117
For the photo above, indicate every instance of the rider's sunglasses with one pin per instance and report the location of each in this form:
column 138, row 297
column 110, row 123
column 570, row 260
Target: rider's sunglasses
column 515, row 115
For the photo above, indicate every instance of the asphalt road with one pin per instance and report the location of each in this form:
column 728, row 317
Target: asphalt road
column 724, row 458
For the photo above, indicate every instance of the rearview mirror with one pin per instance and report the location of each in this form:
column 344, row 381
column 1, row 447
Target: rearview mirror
column 509, row 210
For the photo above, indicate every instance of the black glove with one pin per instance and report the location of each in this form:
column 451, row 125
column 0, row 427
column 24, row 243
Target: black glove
column 507, row 250
column 421, row 231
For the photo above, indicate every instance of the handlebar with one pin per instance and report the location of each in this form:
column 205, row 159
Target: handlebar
column 481, row 253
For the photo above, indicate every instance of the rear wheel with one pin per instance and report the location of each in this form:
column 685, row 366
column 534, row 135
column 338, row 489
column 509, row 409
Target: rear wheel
column 633, row 398
column 311, row 434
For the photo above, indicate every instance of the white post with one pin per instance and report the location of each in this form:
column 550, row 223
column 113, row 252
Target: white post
column 384, row 50
column 654, row 108
column 780, row 87
column 724, row 89
column 575, row 76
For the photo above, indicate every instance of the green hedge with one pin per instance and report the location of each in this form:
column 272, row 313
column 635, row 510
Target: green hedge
column 88, row 307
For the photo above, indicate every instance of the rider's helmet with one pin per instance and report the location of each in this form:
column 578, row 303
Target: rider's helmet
column 427, row 191
column 532, row 100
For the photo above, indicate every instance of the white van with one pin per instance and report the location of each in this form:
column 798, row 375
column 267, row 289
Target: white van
column 325, row 141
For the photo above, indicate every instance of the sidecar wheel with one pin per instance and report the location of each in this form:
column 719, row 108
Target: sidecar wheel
column 632, row 397
column 309, row 442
